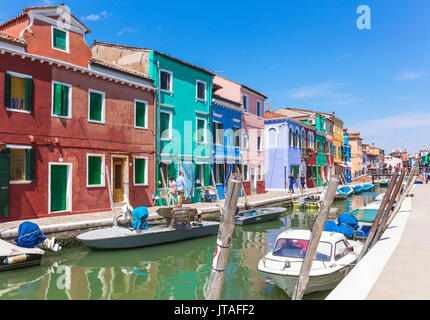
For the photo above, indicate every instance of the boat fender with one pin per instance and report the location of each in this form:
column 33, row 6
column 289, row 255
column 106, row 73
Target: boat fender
column 15, row 259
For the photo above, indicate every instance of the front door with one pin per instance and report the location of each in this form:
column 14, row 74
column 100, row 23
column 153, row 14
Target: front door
column 58, row 188
column 253, row 181
column 118, row 180
column 4, row 184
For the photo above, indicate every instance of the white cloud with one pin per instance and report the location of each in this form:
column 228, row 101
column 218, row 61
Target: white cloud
column 325, row 93
column 96, row 16
column 410, row 75
column 409, row 130
column 124, row 30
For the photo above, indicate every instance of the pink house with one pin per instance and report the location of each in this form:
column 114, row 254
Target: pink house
column 252, row 131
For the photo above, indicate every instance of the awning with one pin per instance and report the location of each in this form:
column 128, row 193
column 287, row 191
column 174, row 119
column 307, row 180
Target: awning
column 342, row 165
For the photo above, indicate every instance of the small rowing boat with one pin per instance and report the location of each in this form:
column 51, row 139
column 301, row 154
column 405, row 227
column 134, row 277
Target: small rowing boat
column 245, row 217
column 358, row 189
column 368, row 186
column 343, row 192
column 14, row 257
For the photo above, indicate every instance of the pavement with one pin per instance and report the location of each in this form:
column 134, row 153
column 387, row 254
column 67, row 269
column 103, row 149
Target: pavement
column 63, row 223
column 396, row 268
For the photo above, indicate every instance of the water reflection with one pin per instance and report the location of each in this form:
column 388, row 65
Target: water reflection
column 173, row 271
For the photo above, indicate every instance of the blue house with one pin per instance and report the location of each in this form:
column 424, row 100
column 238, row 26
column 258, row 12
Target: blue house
column 226, row 124
column 283, row 150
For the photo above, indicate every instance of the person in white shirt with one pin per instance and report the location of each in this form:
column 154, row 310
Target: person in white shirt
column 180, row 187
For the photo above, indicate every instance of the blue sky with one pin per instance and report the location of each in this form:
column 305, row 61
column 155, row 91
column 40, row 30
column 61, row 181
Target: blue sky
column 300, row 53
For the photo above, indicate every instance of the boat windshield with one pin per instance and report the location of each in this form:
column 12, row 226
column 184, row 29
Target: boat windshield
column 295, row 248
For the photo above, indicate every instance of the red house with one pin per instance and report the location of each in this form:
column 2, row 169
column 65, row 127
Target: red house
column 75, row 131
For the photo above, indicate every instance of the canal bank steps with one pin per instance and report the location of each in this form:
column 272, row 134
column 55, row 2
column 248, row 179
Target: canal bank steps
column 396, row 268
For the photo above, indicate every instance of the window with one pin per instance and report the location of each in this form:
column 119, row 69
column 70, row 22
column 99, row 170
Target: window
column 296, row 138
column 245, row 172
column 259, row 109
column 318, row 147
column 140, row 171
column 21, row 164
column 294, row 169
column 245, row 140
column 259, row 143
column 200, row 174
column 165, row 125
column 260, row 173
column 236, row 136
column 140, row 114
column 61, row 102
column 201, row 130
column 245, row 103
column 200, row 90
column 18, row 92
column 296, row 248
column 272, row 138
column 219, row 173
column 291, row 137
column 95, row 170
column 166, row 78
column 59, row 39
column 303, row 141
column 341, row 250
column 96, row 106
column 218, row 133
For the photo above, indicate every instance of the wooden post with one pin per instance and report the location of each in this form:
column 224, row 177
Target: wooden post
column 384, row 219
column 314, row 240
column 110, row 195
column 247, row 206
column 165, row 187
column 375, row 223
column 216, row 191
column 224, row 239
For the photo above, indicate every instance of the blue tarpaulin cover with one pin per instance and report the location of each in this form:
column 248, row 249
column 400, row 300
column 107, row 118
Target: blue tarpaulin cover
column 331, row 226
column 347, row 223
column 29, row 235
column 139, row 216
column 348, row 219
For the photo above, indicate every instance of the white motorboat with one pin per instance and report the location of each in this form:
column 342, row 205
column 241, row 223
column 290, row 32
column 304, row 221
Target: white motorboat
column 335, row 257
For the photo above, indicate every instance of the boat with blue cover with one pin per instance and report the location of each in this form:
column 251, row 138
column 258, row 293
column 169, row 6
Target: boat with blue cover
column 343, row 192
column 358, row 189
column 368, row 186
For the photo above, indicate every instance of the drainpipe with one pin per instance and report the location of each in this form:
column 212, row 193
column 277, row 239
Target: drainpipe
column 158, row 135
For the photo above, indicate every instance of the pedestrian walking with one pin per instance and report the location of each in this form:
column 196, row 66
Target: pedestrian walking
column 302, row 181
column 180, row 187
column 427, row 176
column 292, row 182
column 172, row 190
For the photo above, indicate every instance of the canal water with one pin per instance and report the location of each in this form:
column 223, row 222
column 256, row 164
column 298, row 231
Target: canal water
column 171, row 271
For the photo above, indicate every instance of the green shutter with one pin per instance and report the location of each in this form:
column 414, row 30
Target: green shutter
column 4, row 184
column 7, row 90
column 141, row 114
column 65, row 101
column 200, row 130
column 28, row 94
column 58, row 188
column 95, row 106
column 94, row 170
column 59, row 39
column 139, row 171
column 58, row 93
column 29, row 164
column 164, row 124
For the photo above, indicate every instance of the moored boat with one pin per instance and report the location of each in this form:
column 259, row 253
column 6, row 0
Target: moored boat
column 343, row 192
column 245, row 217
column 14, row 257
column 384, row 182
column 358, row 189
column 335, row 257
column 309, row 202
column 368, row 186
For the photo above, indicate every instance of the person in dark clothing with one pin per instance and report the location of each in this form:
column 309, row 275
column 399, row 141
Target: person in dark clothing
column 292, row 182
column 302, row 181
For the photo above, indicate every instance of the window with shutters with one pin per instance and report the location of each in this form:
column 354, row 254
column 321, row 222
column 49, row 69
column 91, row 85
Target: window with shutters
column 140, row 171
column 18, row 92
column 21, row 164
column 245, row 173
column 95, row 170
column 218, row 133
column 140, row 114
column 60, row 40
column 201, row 131
column 165, row 125
column 166, row 79
column 96, row 106
column 259, row 113
column 245, row 102
column 219, row 173
column 200, row 90
column 61, row 100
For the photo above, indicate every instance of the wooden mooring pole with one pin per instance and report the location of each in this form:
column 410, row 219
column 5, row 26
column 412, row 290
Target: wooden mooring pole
column 377, row 219
column 224, row 239
column 384, row 219
column 317, row 230
column 247, row 206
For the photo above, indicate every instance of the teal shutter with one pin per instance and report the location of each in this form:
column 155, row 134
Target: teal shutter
column 7, row 90
column 139, row 171
column 29, row 165
column 164, row 124
column 94, row 170
column 29, row 94
column 200, row 130
column 59, row 39
column 95, row 106
column 140, row 114
column 65, row 100
column 4, row 184
column 58, row 188
column 57, row 98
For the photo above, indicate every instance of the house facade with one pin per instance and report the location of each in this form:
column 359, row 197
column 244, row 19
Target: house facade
column 184, row 97
column 355, row 142
column 77, row 131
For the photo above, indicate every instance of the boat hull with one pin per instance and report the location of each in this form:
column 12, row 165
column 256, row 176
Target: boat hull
column 32, row 260
column 315, row 283
column 258, row 218
column 122, row 238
